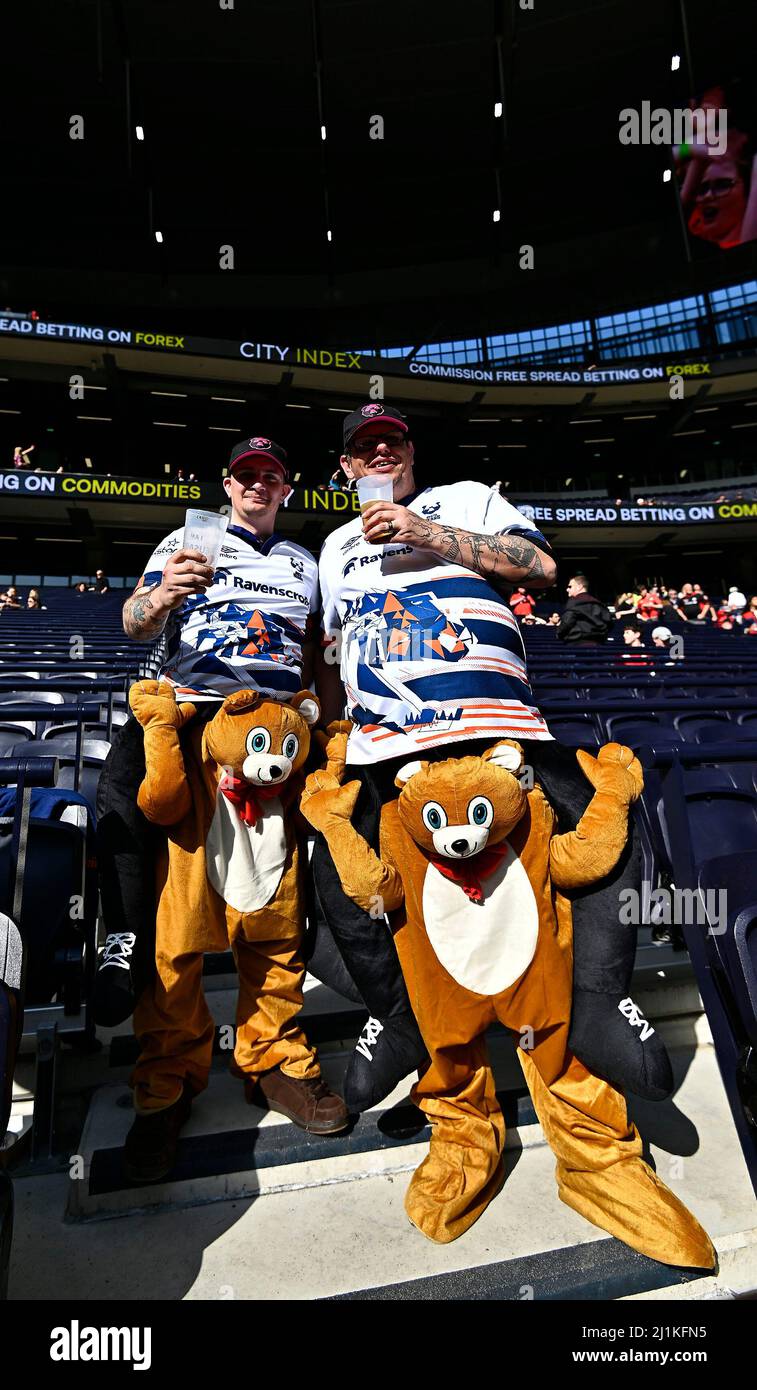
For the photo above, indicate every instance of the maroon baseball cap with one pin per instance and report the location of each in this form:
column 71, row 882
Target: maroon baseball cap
column 259, row 447
column 374, row 413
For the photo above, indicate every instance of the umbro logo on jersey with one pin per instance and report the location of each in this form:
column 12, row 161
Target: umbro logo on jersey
column 635, row 1018
column 350, row 544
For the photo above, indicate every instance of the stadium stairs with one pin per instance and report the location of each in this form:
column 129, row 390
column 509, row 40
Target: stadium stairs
column 256, row 1209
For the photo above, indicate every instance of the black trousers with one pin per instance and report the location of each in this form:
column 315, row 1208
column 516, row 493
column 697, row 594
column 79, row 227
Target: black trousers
column 127, row 846
column 604, row 948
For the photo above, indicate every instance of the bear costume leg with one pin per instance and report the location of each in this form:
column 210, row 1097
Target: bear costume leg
column 604, row 948
column 463, row 1169
column 600, row 1172
column 175, row 1030
column 270, row 996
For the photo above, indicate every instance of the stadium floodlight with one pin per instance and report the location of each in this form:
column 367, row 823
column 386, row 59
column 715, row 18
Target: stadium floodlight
column 140, row 132
column 667, row 175
column 675, row 62
column 328, row 235
column 567, row 482
column 323, row 132
column 159, row 238
column 497, row 110
column 684, row 473
column 495, row 215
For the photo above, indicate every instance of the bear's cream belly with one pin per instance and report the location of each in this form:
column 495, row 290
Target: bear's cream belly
column 245, row 863
column 484, row 946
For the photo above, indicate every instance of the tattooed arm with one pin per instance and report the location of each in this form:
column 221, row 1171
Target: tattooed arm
column 501, row 557
column 144, row 616
column 146, row 613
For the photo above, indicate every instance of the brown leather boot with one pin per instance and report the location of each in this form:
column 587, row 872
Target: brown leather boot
column 152, row 1141
column 308, row 1103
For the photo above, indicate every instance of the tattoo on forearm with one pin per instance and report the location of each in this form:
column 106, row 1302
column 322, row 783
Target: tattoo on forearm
column 488, row 554
column 139, row 617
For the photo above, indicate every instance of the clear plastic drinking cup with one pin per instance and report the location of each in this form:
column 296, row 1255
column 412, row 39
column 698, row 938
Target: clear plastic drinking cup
column 204, row 531
column 373, row 490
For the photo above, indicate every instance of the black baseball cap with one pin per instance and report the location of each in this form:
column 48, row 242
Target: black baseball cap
column 375, row 412
column 259, row 447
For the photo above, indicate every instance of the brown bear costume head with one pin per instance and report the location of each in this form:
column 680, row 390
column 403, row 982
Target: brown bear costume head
column 259, row 741
column 458, row 807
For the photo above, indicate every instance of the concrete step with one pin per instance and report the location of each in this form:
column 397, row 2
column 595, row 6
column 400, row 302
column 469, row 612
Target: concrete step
column 349, row 1234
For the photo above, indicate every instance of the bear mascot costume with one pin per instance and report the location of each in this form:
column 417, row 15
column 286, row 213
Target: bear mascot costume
column 226, row 793
column 474, row 875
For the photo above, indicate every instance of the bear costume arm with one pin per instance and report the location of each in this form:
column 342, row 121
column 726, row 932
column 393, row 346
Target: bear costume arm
column 164, row 796
column 588, row 853
column 328, row 807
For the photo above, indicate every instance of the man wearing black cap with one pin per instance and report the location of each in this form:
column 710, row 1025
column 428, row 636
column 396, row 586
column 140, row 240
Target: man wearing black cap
column 430, row 659
column 245, row 623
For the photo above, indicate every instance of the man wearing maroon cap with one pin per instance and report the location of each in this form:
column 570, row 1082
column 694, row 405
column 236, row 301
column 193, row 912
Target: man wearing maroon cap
column 247, row 623
column 431, row 660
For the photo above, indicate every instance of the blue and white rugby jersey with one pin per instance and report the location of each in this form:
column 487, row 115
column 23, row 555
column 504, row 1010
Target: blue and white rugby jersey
column 247, row 629
column 430, row 652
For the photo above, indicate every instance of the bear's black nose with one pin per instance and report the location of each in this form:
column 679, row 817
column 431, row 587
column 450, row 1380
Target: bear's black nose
column 459, row 846
column 276, row 771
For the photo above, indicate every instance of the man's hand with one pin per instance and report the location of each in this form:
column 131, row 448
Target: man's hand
column 407, row 528
column 187, row 572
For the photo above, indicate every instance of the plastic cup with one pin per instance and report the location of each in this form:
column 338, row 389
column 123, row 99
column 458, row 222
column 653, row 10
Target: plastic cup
column 373, row 490
column 204, row 531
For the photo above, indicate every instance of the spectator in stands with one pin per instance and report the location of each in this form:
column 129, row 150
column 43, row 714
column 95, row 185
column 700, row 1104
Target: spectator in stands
column 335, row 481
column 81, row 588
column 632, row 636
column 736, row 600
column 626, row 604
column 706, row 610
column 671, row 608
column 649, row 607
column 522, row 603
column 10, row 599
column 102, row 583
column 210, row 653
column 719, row 187
column 33, row 601
column 689, row 604
column 750, row 612
column 21, row 456
column 585, row 621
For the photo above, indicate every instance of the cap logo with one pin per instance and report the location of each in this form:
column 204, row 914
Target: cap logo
column 259, row 443
column 372, row 410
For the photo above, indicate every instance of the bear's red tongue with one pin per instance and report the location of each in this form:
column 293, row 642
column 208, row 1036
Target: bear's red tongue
column 468, row 873
column 246, row 796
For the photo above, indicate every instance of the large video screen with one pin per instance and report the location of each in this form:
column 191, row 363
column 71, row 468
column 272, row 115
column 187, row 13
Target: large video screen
column 717, row 168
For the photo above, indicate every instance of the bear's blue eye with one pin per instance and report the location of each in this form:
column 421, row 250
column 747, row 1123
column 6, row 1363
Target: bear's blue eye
column 434, row 816
column 258, row 741
column 290, row 746
column 480, row 811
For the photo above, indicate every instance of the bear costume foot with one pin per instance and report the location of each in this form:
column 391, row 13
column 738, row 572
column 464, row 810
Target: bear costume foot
column 612, row 1039
column 385, row 1054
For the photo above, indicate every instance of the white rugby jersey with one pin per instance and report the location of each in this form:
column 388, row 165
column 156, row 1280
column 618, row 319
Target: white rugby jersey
column 430, row 652
column 247, row 629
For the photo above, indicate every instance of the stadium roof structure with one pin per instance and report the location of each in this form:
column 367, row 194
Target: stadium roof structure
column 250, row 132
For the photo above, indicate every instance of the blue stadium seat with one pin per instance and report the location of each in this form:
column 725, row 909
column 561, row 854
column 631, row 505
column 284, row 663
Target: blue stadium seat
column 697, row 727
